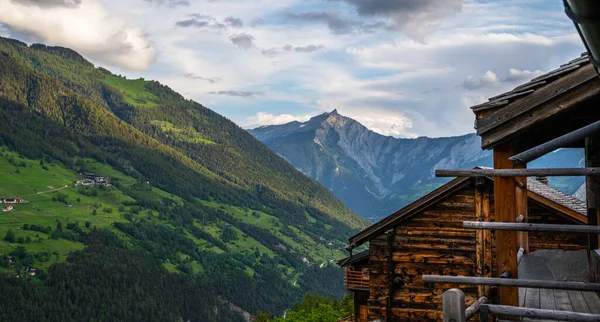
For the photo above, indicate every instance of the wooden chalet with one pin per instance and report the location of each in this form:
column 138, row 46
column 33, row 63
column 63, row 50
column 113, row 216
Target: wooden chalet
column 427, row 237
column 555, row 110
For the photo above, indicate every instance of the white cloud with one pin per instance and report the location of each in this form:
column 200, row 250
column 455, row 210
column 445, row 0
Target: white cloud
column 489, row 78
column 393, row 84
column 86, row 27
column 515, row 75
column 262, row 118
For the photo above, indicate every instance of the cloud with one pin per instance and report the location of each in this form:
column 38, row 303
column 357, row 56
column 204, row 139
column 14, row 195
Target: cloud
column 416, row 19
column 272, row 52
column 201, row 21
column 309, row 48
column 337, row 24
column 515, row 75
column 236, row 93
column 242, row 41
column 171, row 3
column 264, row 118
column 49, row 3
column 234, row 22
column 211, row 80
column 87, row 28
column 490, row 79
column 393, row 124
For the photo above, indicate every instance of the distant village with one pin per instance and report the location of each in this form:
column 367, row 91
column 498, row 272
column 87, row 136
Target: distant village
column 92, row 180
column 10, row 202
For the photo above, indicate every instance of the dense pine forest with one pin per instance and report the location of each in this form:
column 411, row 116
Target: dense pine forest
column 201, row 222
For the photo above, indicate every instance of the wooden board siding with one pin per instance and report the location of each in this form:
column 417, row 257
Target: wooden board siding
column 431, row 242
column 552, row 240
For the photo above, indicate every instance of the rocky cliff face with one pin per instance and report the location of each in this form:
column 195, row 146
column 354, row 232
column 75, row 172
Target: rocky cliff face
column 373, row 174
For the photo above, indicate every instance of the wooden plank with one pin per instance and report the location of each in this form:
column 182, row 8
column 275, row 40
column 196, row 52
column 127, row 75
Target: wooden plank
column 429, row 199
column 532, row 298
column 547, row 299
column 512, row 282
column 505, row 210
column 578, row 302
column 541, row 113
column 506, row 226
column 561, row 298
column 592, row 301
column 510, row 172
column 515, row 311
column 540, row 96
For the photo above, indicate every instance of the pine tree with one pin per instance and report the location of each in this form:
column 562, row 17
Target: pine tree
column 10, row 236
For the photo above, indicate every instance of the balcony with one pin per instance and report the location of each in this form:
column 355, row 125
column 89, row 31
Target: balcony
column 357, row 280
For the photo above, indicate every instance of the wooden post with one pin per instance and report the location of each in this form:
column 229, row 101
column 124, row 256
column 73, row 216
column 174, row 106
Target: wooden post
column 592, row 158
column 506, row 211
column 521, row 205
column 453, row 303
column 483, row 240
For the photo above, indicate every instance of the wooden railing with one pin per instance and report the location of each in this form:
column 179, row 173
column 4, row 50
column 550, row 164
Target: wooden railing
column 356, row 279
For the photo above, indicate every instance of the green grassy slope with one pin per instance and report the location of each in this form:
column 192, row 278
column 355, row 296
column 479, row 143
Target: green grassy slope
column 221, row 209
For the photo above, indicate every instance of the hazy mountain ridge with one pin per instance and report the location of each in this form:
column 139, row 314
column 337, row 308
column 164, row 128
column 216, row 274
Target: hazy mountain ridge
column 376, row 174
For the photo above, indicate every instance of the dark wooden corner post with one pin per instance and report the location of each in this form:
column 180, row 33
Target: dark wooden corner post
column 592, row 159
column 592, row 185
column 505, row 205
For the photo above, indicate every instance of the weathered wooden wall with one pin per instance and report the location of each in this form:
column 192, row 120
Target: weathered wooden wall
column 431, row 242
column 434, row 242
column 553, row 240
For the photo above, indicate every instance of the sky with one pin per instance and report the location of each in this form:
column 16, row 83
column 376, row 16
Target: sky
column 404, row 68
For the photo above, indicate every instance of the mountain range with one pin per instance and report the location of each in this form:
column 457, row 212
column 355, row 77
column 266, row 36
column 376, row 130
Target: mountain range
column 376, row 175
column 199, row 212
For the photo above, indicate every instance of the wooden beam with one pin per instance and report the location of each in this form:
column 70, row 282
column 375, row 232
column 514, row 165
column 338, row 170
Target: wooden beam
column 483, row 239
column 560, row 142
column 539, row 97
column 592, row 158
column 512, row 282
column 509, row 172
column 541, row 313
column 543, row 112
column 521, row 205
column 505, row 226
column 475, row 307
column 505, row 210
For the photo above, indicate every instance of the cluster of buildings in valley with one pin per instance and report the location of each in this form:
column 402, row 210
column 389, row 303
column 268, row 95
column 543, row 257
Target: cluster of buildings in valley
column 92, row 180
column 10, row 202
column 11, row 262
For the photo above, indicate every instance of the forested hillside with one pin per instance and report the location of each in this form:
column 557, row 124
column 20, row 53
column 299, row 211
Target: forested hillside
column 199, row 212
